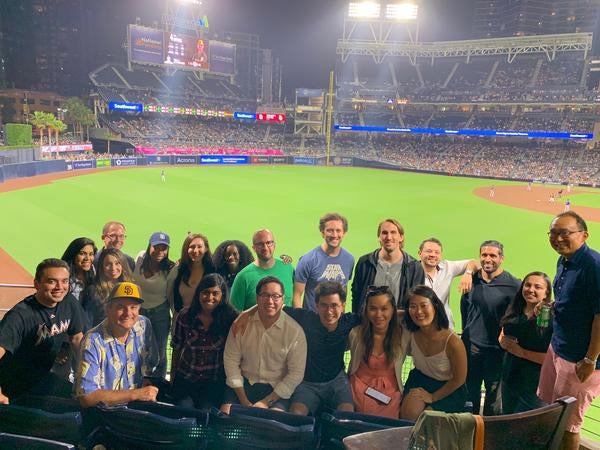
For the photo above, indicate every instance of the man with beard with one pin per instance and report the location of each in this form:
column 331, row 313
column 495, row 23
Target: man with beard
column 327, row 262
column 481, row 310
column 243, row 291
column 388, row 265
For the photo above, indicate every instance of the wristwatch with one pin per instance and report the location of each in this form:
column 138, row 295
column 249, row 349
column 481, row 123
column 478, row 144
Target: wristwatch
column 589, row 361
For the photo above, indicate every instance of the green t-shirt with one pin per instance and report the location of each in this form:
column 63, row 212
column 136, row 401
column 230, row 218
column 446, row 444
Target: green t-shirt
column 243, row 291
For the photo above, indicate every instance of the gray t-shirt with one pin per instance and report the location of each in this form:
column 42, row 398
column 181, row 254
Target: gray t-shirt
column 389, row 275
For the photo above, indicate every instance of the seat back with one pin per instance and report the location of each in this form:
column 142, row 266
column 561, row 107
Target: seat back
column 337, row 425
column 17, row 442
column 538, row 429
column 260, row 429
column 122, row 427
column 64, row 427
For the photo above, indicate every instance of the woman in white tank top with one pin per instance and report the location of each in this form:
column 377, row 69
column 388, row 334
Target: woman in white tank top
column 438, row 379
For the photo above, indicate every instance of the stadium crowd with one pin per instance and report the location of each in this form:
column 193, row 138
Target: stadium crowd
column 254, row 330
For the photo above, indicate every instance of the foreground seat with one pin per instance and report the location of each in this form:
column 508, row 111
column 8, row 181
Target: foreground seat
column 255, row 428
column 337, row 425
column 17, row 442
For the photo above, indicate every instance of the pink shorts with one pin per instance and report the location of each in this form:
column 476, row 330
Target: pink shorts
column 558, row 379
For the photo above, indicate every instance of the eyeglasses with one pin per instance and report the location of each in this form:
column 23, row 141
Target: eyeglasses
column 562, row 233
column 266, row 243
column 121, row 237
column 267, row 296
column 332, row 307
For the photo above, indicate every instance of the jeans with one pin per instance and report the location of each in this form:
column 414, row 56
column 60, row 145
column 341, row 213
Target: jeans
column 160, row 318
column 484, row 364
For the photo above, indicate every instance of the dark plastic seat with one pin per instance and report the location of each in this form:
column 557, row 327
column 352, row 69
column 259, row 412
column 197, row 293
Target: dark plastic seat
column 64, row 427
column 260, row 429
column 126, row 428
column 337, row 425
column 17, row 442
column 538, row 429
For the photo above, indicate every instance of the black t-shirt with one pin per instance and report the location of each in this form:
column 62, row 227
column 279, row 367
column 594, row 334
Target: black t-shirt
column 484, row 306
column 325, row 349
column 520, row 372
column 32, row 335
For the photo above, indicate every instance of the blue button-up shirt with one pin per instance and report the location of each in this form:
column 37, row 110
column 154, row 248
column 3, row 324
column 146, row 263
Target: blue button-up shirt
column 577, row 295
column 109, row 364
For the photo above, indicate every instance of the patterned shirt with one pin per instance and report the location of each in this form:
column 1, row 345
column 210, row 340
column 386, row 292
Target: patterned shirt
column 109, row 364
column 201, row 353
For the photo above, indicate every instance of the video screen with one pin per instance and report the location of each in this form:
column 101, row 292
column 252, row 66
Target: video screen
column 187, row 51
column 222, row 57
column 146, row 45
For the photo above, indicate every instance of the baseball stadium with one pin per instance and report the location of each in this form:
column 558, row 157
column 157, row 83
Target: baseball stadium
column 487, row 141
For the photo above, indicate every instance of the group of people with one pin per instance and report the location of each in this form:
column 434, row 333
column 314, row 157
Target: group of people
column 254, row 331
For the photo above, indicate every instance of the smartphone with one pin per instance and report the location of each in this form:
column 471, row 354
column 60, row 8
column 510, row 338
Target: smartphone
column 379, row 396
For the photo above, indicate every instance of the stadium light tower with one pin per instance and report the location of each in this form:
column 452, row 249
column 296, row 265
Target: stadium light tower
column 186, row 17
column 377, row 25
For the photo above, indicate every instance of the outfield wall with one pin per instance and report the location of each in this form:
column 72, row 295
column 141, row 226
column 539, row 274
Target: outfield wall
column 29, row 168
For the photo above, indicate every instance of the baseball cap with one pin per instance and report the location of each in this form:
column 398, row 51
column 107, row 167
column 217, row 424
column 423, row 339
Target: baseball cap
column 126, row 289
column 160, row 238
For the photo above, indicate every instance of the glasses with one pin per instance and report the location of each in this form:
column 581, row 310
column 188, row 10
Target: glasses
column 562, row 233
column 121, row 237
column 266, row 296
column 266, row 243
column 332, row 307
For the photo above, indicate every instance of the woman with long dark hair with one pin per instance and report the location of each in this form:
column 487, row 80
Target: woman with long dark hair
column 198, row 343
column 152, row 267
column 79, row 255
column 525, row 344
column 230, row 257
column 439, row 356
column 195, row 262
column 378, row 349
column 112, row 269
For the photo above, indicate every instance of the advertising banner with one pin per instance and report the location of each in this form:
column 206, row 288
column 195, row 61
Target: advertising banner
column 124, row 162
column 279, row 160
column 260, row 160
column 66, row 148
column 222, row 57
column 104, row 162
column 158, row 160
column 127, row 107
column 341, row 161
column 304, row 161
column 186, row 160
column 222, row 159
column 84, row 164
column 146, row 45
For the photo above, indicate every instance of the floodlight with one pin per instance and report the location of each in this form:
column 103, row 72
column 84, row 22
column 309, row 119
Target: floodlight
column 401, row 11
column 190, row 2
column 364, row 10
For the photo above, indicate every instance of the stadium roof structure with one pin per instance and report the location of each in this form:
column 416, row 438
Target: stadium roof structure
column 381, row 48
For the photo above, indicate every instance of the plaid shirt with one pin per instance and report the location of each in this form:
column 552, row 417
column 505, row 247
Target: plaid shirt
column 201, row 353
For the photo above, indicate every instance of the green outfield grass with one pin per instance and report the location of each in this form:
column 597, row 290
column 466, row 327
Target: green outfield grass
column 232, row 202
column 589, row 200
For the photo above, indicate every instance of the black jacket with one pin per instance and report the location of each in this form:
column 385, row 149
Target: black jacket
column 364, row 275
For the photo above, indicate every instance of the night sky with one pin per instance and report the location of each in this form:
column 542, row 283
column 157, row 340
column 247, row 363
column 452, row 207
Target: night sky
column 302, row 34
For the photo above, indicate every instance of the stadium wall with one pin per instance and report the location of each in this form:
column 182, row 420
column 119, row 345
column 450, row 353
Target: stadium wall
column 33, row 168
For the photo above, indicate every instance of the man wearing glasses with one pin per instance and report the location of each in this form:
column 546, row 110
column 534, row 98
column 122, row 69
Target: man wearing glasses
column 266, row 364
column 113, row 236
column 243, row 291
column 325, row 381
column 571, row 365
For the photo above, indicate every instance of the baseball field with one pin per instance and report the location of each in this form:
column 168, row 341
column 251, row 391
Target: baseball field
column 231, row 202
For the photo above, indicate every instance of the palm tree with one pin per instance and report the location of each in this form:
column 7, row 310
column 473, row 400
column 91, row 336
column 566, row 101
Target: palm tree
column 59, row 127
column 51, row 126
column 39, row 119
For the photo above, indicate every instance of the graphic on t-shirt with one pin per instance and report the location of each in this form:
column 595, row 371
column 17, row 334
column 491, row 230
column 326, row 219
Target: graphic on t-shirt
column 333, row 272
column 44, row 333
